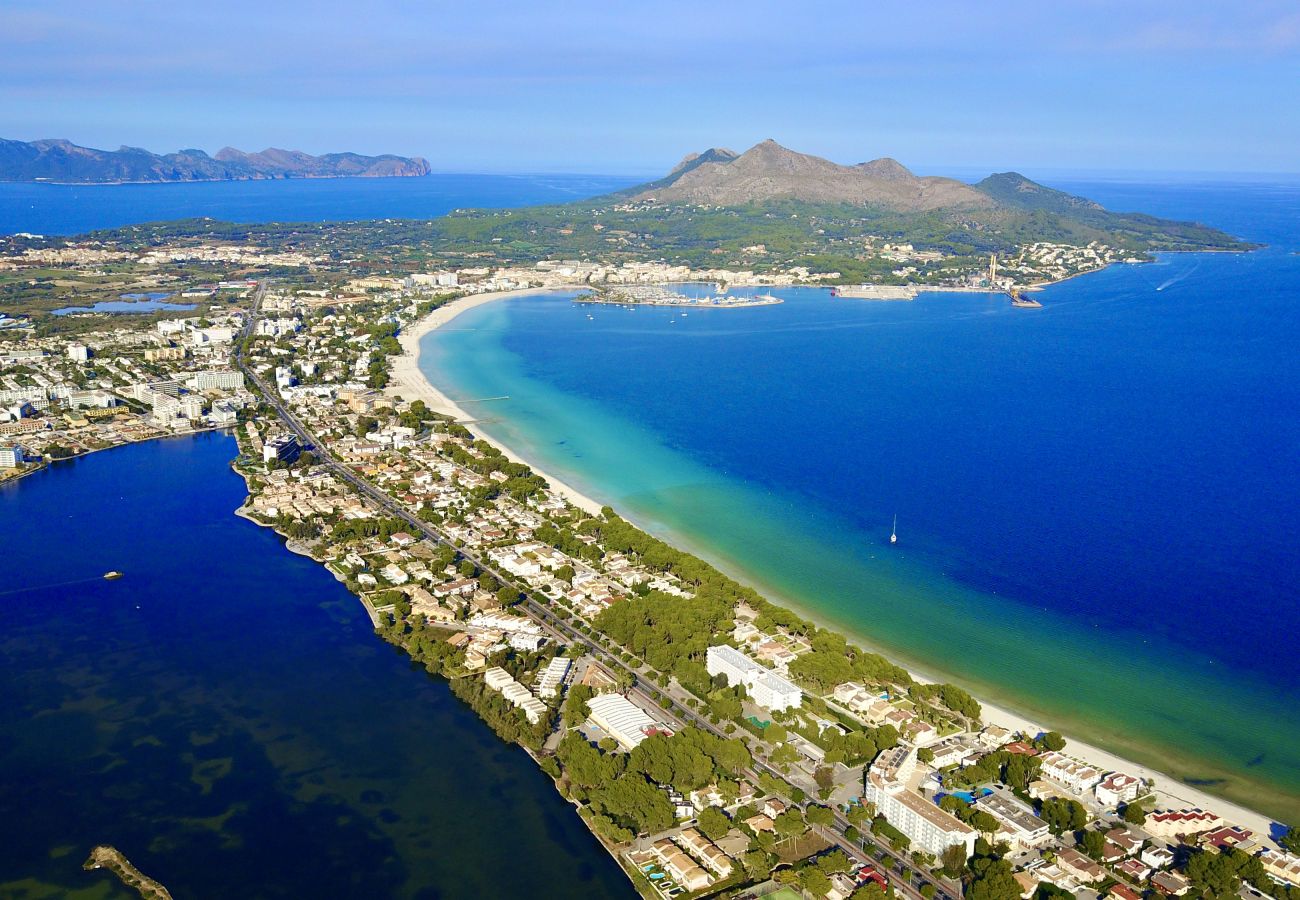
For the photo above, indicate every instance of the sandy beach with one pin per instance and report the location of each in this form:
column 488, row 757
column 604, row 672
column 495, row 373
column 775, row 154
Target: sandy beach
column 409, row 382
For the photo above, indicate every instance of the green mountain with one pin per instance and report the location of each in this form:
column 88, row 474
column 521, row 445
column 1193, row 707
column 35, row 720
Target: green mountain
column 1014, row 190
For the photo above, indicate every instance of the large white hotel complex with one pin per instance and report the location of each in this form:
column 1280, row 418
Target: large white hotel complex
column 766, row 688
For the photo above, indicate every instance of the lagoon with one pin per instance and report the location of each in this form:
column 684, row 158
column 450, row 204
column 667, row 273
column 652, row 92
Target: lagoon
column 131, row 303
column 224, row 716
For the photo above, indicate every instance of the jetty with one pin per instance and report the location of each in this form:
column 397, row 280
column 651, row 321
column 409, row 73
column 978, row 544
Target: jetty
column 106, row 857
column 876, row 291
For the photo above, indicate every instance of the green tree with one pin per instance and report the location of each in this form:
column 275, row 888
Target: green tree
column 756, row 863
column 1134, row 814
column 983, row 822
column 713, row 823
column 834, row 861
column 820, row 815
column 1220, row 875
column 954, row 860
column 1062, row 815
column 993, row 881
column 1052, row 740
column 869, row 891
column 789, row 824
column 1093, row 843
column 815, row 881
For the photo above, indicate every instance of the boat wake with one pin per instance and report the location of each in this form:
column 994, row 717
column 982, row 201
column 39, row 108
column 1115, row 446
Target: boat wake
column 1169, row 282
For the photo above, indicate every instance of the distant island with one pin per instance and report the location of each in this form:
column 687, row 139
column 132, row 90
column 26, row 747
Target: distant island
column 65, row 162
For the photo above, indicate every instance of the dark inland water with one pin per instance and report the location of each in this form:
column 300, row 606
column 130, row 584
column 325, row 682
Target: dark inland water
column 224, row 716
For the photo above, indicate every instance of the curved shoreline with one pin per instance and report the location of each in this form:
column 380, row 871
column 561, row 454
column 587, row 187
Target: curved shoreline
column 409, row 382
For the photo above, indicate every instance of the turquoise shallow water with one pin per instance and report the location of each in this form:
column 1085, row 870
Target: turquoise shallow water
column 1097, row 500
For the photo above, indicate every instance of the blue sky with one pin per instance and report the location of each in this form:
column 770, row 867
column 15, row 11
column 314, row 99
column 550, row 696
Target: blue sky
column 630, row 87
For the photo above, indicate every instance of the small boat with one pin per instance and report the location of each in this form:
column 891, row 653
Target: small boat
column 111, row 576
column 893, row 535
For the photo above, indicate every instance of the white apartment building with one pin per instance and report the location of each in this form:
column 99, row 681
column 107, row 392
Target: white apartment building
column 1284, row 868
column 1015, row 820
column 1078, row 777
column 11, row 457
column 283, row 447
column 201, row 336
column 228, row 380
column 553, row 676
column 223, row 414
column 766, row 688
column 927, row 826
column 1117, row 788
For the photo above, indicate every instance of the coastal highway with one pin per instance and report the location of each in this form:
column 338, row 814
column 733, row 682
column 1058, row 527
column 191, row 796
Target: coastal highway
column 649, row 694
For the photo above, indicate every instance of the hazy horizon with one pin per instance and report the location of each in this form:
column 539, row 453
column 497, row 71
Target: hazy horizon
column 1097, row 86
column 961, row 172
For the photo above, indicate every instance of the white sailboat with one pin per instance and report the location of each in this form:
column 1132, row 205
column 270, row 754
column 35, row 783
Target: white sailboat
column 893, row 535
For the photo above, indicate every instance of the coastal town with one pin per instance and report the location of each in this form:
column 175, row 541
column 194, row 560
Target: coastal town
column 715, row 743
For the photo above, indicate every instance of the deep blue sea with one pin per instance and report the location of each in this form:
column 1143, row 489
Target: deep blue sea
column 1098, row 502
column 73, row 209
column 224, row 715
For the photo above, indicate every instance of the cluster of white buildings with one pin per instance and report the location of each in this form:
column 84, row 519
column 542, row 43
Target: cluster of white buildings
column 552, row 678
column 500, row 680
